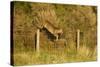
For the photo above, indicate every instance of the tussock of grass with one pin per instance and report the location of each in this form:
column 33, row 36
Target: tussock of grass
column 85, row 54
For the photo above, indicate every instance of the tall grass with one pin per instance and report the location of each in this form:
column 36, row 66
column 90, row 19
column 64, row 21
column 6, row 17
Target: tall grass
column 55, row 56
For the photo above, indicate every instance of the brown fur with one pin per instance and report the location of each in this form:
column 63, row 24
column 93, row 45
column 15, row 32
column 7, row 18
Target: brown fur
column 53, row 30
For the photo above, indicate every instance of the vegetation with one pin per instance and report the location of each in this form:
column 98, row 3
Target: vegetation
column 67, row 17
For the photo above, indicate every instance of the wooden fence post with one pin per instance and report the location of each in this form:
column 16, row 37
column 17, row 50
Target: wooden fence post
column 78, row 39
column 37, row 40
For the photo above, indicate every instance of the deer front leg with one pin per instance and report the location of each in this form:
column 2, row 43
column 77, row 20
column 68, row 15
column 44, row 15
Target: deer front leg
column 55, row 41
column 56, row 37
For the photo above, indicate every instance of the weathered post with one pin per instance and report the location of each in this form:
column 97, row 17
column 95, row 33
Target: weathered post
column 78, row 39
column 37, row 40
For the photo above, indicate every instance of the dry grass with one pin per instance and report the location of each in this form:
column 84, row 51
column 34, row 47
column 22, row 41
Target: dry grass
column 55, row 56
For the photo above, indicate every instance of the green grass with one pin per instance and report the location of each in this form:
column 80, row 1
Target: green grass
column 54, row 56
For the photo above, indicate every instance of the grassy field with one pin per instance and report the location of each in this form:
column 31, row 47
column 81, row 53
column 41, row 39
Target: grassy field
column 55, row 56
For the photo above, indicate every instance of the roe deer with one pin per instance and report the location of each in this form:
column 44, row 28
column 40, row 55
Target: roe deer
column 53, row 30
